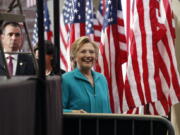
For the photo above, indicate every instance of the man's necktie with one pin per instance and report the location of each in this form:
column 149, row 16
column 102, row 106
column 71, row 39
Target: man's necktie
column 10, row 65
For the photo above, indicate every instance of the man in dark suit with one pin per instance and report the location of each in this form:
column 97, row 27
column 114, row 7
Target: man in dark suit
column 12, row 39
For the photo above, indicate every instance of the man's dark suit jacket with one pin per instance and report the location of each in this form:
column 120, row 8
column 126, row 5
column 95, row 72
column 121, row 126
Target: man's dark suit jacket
column 25, row 65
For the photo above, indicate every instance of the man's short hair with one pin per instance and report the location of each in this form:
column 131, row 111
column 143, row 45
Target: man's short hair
column 14, row 24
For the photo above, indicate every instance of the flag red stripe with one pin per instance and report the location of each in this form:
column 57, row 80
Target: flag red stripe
column 140, row 8
column 97, row 27
column 122, row 38
column 120, row 22
column 128, row 95
column 118, row 67
column 136, row 71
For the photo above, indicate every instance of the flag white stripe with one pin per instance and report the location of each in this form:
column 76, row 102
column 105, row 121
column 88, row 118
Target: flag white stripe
column 150, row 59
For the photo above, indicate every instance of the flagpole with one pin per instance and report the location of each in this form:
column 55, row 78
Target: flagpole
column 41, row 39
column 56, row 33
column 41, row 111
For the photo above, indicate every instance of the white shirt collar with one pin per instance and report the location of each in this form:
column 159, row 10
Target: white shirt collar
column 12, row 55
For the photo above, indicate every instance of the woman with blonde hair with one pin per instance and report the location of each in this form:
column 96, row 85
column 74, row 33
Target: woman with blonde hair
column 84, row 90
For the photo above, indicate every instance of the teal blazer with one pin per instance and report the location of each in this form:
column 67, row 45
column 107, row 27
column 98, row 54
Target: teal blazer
column 78, row 93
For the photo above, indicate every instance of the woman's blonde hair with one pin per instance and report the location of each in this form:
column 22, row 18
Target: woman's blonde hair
column 78, row 44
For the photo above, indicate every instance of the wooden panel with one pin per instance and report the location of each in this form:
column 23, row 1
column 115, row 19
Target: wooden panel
column 11, row 17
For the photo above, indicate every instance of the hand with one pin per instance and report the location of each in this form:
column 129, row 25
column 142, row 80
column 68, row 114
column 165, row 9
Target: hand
column 79, row 111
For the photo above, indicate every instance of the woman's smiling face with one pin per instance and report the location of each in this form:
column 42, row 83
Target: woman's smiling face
column 86, row 56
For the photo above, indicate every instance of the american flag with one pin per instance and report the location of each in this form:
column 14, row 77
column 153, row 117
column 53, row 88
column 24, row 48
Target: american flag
column 77, row 19
column 72, row 26
column 64, row 35
column 30, row 3
column 168, row 66
column 152, row 76
column 93, row 27
column 89, row 18
column 113, row 52
column 35, row 33
column 101, row 11
column 47, row 27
